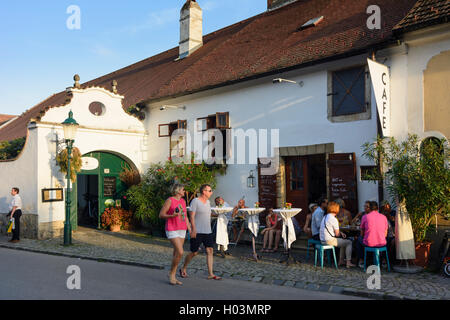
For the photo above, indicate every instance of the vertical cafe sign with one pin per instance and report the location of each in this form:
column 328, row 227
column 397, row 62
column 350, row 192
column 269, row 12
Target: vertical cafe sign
column 381, row 83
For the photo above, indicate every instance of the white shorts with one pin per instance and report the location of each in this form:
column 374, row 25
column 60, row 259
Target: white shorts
column 176, row 234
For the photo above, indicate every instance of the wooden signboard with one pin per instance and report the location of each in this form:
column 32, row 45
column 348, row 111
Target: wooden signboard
column 109, row 186
column 267, row 189
column 343, row 185
column 52, row 195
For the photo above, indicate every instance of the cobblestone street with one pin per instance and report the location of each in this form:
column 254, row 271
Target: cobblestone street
column 140, row 249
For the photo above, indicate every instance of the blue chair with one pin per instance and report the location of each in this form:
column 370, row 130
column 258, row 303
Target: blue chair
column 321, row 248
column 376, row 252
column 311, row 242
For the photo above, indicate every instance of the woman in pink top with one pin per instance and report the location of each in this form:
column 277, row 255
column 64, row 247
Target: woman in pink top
column 175, row 213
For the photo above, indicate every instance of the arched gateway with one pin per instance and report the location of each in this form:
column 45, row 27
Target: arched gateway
column 97, row 182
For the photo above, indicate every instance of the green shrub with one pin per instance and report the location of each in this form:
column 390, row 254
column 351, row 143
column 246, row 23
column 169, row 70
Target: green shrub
column 147, row 198
column 415, row 172
column 10, row 149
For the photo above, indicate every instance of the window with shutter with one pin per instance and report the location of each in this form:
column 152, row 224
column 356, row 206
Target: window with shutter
column 349, row 94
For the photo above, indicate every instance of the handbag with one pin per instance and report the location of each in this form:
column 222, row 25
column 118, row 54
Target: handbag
column 9, row 228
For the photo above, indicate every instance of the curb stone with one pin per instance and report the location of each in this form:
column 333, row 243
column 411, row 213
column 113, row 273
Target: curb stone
column 74, row 256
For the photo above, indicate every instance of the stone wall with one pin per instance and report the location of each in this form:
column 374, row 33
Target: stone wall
column 28, row 225
column 51, row 230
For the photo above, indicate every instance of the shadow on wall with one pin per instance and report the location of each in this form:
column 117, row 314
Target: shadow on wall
column 4, row 205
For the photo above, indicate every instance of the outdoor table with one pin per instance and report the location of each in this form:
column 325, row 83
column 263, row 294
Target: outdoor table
column 252, row 216
column 350, row 231
column 286, row 215
column 222, row 230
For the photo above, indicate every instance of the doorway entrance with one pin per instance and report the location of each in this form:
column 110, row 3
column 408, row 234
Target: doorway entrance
column 305, row 181
column 87, row 189
column 97, row 182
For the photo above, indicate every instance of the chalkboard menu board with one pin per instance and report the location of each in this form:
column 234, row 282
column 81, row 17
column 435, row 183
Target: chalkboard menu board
column 109, row 186
column 267, row 188
column 343, row 185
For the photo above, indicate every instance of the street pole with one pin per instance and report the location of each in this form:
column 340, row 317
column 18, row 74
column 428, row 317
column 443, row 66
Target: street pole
column 67, row 225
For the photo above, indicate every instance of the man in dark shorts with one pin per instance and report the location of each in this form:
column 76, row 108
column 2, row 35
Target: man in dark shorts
column 200, row 216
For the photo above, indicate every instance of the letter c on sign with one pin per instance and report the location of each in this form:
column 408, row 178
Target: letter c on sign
column 382, row 78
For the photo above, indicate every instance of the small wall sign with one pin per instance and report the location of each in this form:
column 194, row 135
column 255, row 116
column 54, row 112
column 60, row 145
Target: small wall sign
column 52, row 195
column 89, row 163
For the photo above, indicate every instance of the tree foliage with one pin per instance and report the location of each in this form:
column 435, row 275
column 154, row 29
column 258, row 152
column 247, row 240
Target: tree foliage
column 416, row 172
column 11, row 149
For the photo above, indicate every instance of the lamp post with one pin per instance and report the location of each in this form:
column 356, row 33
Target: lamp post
column 70, row 129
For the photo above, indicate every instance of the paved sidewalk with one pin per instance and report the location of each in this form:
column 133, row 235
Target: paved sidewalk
column 139, row 249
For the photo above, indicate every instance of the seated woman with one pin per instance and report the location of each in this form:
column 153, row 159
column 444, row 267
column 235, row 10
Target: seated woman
column 330, row 235
column 307, row 227
column 273, row 228
column 238, row 222
column 344, row 216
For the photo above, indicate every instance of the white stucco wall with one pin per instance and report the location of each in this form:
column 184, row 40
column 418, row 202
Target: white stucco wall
column 300, row 113
column 115, row 131
column 21, row 173
column 422, row 48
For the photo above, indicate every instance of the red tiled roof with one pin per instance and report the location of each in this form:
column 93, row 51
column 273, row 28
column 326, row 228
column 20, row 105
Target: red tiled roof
column 255, row 47
column 425, row 13
column 4, row 118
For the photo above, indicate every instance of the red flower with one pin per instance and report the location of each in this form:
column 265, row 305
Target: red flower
column 125, row 197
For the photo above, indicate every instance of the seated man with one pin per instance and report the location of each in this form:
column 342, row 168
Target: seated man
column 374, row 229
column 239, row 219
column 317, row 219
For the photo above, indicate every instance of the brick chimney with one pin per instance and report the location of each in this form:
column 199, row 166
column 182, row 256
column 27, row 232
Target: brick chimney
column 275, row 4
column 191, row 28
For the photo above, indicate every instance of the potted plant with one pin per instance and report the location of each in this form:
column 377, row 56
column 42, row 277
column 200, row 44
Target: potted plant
column 416, row 173
column 111, row 219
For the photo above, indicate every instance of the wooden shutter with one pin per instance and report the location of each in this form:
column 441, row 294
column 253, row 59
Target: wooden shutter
column 222, row 120
column 349, row 91
column 164, row 130
column 342, row 169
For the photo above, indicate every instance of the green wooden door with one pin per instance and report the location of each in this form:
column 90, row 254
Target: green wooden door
column 109, row 185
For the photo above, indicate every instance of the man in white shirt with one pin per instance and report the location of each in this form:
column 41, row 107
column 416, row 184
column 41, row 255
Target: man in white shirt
column 200, row 217
column 317, row 217
column 15, row 213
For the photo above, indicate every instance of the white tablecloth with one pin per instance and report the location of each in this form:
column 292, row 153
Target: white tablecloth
column 221, row 226
column 252, row 215
column 286, row 215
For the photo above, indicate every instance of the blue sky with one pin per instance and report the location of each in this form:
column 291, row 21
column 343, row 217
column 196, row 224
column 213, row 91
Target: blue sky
column 39, row 55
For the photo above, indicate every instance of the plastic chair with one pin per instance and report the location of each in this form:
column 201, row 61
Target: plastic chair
column 376, row 252
column 311, row 242
column 321, row 248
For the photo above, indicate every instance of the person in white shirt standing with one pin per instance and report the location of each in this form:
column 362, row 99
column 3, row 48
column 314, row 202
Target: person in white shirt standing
column 15, row 213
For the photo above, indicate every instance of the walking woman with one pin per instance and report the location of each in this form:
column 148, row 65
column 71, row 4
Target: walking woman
column 175, row 213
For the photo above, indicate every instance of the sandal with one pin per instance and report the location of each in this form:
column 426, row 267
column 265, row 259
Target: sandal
column 214, row 278
column 183, row 274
